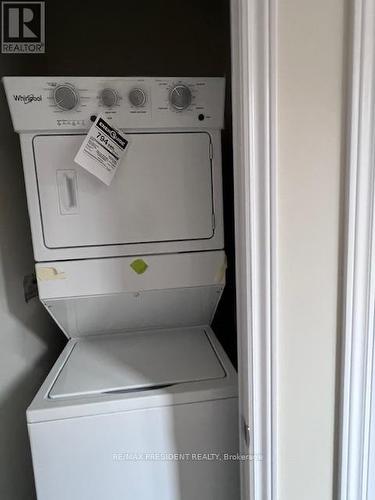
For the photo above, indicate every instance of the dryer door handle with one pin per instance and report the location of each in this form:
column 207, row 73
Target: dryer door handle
column 68, row 191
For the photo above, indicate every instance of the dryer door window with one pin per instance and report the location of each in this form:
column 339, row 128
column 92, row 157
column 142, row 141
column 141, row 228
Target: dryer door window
column 162, row 191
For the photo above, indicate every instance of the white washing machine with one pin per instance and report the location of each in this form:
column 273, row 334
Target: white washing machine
column 142, row 402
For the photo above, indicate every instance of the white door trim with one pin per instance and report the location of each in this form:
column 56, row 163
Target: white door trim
column 359, row 284
column 254, row 139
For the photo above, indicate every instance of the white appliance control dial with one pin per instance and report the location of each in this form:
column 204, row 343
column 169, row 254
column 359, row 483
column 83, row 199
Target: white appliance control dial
column 180, row 97
column 66, row 96
column 109, row 97
column 137, row 97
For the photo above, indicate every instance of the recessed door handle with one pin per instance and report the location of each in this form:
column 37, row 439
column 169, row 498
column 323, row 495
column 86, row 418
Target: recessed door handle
column 68, row 192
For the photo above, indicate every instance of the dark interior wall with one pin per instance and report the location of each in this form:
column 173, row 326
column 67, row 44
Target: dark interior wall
column 149, row 38
column 154, row 37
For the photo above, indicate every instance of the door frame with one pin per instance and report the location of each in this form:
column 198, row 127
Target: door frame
column 253, row 31
column 358, row 337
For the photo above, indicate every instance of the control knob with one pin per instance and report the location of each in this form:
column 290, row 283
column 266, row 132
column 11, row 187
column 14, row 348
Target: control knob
column 180, row 97
column 65, row 96
column 109, row 97
column 137, row 97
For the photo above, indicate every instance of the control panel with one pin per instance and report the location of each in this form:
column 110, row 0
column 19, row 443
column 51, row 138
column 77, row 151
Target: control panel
column 72, row 103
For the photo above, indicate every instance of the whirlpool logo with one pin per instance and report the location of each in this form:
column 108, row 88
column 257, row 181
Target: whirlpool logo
column 27, row 99
column 22, row 28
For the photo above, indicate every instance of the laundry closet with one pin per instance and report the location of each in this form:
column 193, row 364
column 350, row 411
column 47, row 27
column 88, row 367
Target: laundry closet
column 139, row 274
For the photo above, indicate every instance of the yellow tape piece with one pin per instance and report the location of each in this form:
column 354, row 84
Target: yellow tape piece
column 220, row 275
column 49, row 273
column 139, row 266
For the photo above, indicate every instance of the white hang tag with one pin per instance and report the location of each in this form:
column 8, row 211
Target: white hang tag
column 102, row 150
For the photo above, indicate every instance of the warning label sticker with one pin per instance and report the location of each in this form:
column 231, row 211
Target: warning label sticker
column 102, row 150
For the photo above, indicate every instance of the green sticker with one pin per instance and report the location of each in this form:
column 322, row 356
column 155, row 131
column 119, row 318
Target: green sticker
column 139, row 266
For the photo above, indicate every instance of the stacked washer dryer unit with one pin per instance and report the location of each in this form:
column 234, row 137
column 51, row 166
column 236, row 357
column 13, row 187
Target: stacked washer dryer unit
column 132, row 273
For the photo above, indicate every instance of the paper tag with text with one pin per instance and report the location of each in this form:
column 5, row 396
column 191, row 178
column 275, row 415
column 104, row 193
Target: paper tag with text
column 102, row 150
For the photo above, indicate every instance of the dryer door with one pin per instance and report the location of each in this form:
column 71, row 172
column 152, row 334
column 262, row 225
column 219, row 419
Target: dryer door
column 162, row 191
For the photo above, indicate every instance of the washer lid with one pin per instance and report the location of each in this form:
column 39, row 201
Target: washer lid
column 137, row 361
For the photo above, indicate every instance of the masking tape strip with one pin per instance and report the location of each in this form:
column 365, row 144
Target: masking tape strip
column 49, row 273
column 220, row 275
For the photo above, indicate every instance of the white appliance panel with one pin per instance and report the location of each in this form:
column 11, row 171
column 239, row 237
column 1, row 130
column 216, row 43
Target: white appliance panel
column 161, row 192
column 135, row 361
column 162, row 308
column 34, row 107
column 119, row 455
column 82, row 278
column 103, row 296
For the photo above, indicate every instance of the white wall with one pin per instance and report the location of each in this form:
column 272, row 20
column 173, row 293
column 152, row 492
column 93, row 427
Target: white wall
column 29, row 340
column 310, row 120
